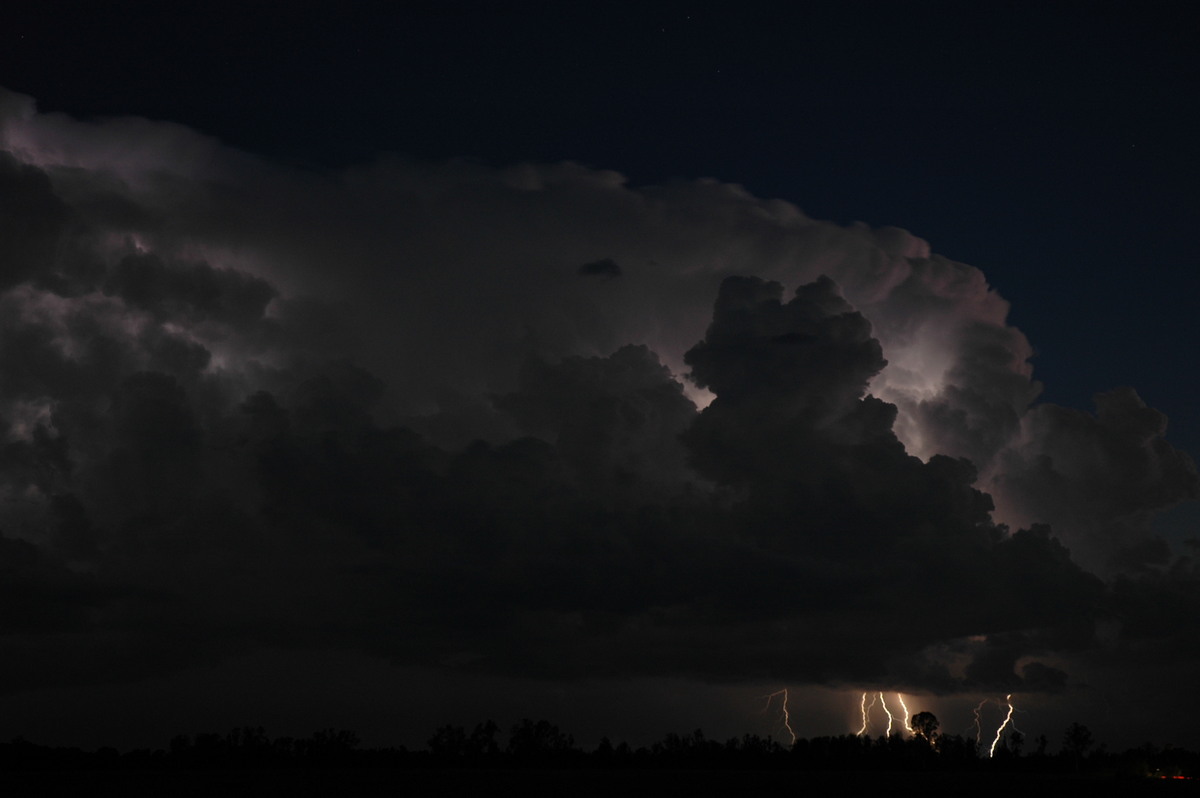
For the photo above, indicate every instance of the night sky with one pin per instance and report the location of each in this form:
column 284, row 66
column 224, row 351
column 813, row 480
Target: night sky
column 388, row 367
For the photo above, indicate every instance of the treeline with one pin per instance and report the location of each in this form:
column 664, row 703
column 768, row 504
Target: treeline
column 542, row 745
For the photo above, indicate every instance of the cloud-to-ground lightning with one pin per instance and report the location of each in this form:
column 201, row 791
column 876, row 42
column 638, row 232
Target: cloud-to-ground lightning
column 1008, row 721
column 978, row 713
column 999, row 731
column 879, row 698
column 891, row 719
column 865, row 709
column 907, row 718
column 787, row 718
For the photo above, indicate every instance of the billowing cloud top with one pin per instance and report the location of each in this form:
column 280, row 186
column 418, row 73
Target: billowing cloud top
column 530, row 420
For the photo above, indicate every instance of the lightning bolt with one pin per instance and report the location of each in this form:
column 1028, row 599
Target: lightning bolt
column 1013, row 722
column 787, row 718
column 907, row 725
column 865, row 712
column 999, row 731
column 889, row 713
column 978, row 713
column 879, row 698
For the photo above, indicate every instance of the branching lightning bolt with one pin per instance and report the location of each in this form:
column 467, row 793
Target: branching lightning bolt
column 1013, row 721
column 978, row 713
column 999, row 731
column 905, row 718
column 787, row 718
column 865, row 708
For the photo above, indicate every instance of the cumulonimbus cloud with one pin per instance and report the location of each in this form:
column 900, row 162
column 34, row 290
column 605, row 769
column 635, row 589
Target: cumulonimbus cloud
column 397, row 398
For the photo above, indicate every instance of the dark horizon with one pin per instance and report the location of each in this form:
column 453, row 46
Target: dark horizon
column 542, row 742
column 538, row 756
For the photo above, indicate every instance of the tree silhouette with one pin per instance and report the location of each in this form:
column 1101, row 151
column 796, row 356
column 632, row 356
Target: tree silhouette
column 1077, row 741
column 1042, row 744
column 482, row 742
column 448, row 742
column 925, row 724
column 539, row 741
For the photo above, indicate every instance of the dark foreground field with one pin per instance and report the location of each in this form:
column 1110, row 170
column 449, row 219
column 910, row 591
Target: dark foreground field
column 621, row 783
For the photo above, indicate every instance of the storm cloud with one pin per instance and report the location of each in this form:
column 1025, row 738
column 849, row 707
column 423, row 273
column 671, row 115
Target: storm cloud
column 386, row 409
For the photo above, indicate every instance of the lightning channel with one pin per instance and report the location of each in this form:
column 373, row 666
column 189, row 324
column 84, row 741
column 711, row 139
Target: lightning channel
column 889, row 713
column 866, row 709
column 787, row 718
column 978, row 713
column 999, row 731
column 904, row 707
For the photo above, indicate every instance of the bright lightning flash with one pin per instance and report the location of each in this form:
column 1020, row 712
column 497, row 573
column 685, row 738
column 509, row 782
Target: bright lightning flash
column 999, row 731
column 904, row 707
column 889, row 714
column 787, row 718
column 866, row 709
column 878, row 698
